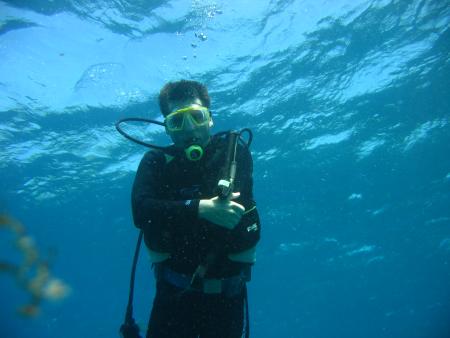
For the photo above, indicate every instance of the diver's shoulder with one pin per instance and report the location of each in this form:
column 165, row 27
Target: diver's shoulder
column 153, row 156
column 243, row 153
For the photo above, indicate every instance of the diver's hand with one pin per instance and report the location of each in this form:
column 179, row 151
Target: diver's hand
column 224, row 213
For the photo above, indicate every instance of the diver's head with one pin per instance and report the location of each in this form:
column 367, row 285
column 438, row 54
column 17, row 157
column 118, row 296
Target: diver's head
column 185, row 106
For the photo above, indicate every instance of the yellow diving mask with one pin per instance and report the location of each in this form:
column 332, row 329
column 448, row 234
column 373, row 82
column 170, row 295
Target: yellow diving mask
column 198, row 115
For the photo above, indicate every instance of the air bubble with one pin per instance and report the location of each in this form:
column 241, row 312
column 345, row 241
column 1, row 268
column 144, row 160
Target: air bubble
column 201, row 36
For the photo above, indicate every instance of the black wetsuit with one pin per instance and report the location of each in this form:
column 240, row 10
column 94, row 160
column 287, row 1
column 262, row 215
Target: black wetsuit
column 165, row 200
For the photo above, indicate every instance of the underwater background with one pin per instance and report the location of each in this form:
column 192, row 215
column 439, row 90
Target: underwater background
column 350, row 108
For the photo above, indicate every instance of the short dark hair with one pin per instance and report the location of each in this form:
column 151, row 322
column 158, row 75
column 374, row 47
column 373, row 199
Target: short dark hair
column 182, row 90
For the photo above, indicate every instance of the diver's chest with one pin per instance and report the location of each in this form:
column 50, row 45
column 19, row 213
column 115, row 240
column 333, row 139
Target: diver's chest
column 187, row 183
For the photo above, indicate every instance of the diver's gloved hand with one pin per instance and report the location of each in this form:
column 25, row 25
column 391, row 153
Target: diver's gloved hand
column 224, row 213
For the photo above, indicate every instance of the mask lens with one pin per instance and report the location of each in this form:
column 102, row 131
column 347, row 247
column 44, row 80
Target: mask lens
column 175, row 122
column 199, row 116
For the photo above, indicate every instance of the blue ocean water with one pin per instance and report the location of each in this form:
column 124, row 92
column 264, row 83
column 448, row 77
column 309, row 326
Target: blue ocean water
column 349, row 104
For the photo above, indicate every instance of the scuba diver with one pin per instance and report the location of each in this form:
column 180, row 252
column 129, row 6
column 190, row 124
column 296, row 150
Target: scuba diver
column 193, row 202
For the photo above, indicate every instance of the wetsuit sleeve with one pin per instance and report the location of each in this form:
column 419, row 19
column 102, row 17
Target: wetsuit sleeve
column 247, row 233
column 158, row 216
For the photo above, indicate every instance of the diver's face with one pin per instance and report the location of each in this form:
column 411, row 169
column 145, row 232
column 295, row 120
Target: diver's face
column 191, row 133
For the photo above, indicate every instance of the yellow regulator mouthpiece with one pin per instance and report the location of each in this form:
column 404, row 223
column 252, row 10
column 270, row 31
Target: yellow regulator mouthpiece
column 194, row 152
